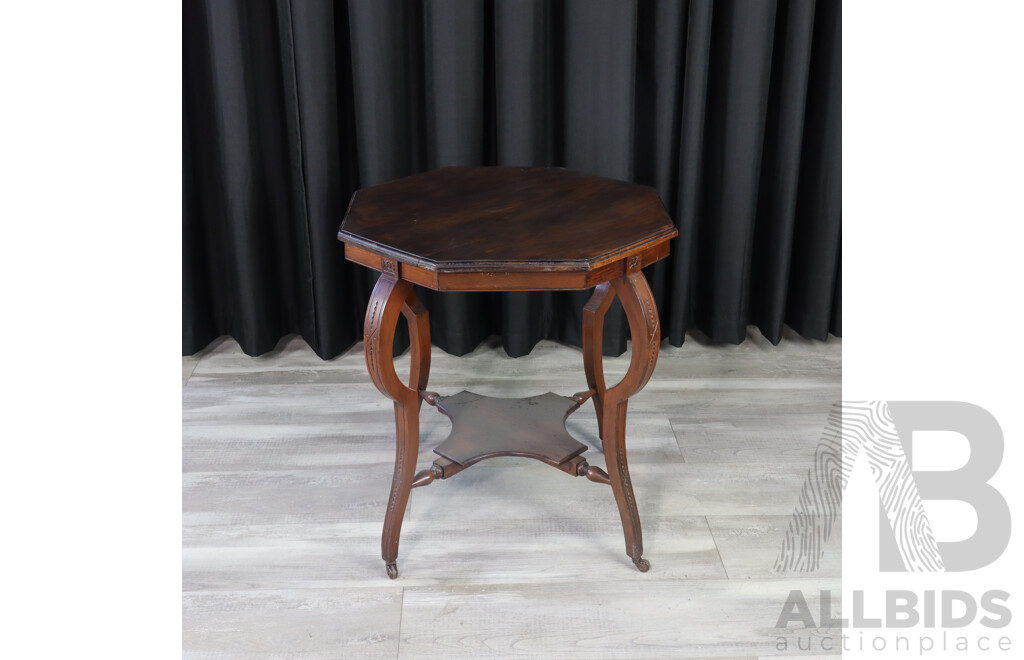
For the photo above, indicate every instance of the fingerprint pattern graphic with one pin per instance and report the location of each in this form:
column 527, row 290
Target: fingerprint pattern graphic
column 821, row 501
column 854, row 428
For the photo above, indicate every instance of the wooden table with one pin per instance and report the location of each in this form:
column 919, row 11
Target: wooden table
column 508, row 229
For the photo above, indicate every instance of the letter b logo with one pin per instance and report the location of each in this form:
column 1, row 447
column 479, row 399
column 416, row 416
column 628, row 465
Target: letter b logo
column 967, row 484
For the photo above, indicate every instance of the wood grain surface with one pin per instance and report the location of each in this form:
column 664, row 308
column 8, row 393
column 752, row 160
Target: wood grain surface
column 511, row 218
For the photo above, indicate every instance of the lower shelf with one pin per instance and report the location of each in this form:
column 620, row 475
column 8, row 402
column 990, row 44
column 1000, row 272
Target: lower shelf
column 485, row 427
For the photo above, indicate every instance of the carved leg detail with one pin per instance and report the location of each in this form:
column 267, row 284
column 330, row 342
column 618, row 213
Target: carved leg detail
column 611, row 403
column 390, row 298
column 622, row 486
column 407, row 448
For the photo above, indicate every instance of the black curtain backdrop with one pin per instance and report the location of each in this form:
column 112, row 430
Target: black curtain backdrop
column 731, row 109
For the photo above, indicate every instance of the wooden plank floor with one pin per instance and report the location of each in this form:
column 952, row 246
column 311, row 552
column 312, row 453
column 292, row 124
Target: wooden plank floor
column 287, row 463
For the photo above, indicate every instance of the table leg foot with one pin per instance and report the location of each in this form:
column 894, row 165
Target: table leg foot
column 393, row 570
column 641, row 564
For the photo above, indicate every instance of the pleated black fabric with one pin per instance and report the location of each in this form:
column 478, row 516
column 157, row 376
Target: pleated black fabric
column 731, row 109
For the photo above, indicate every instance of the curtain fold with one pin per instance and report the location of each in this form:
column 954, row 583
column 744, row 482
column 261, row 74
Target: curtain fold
column 730, row 109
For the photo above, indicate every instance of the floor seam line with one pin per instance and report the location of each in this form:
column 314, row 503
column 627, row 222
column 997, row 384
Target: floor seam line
column 718, row 551
column 401, row 615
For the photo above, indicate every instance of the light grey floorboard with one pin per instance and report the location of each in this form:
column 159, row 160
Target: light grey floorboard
column 284, row 496
column 291, row 623
column 749, row 546
column 640, row 618
column 287, row 463
column 776, row 436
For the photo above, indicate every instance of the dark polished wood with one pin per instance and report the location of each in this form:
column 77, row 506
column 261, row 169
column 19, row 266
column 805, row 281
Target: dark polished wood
column 485, row 427
column 611, row 403
column 593, row 337
column 508, row 229
column 390, row 298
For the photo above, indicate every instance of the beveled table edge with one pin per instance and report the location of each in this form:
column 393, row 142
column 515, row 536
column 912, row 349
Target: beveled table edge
column 482, row 265
column 512, row 275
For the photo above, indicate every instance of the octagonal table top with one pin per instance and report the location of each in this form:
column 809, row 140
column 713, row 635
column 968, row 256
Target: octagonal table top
column 506, row 228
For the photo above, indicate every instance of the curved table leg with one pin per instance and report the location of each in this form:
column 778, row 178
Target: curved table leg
column 390, row 297
column 611, row 403
column 593, row 339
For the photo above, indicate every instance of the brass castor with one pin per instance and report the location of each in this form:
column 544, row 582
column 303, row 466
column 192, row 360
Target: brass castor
column 641, row 564
column 392, row 570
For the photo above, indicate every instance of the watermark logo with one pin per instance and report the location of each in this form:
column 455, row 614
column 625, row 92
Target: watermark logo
column 878, row 436
column 882, row 432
